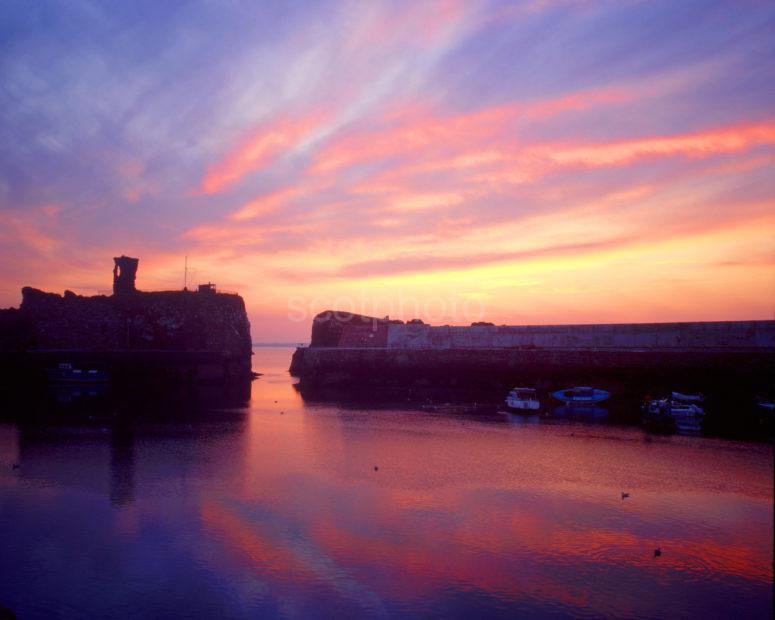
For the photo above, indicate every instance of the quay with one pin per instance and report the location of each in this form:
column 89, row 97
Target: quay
column 352, row 349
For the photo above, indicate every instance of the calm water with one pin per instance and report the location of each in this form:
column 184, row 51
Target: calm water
column 276, row 510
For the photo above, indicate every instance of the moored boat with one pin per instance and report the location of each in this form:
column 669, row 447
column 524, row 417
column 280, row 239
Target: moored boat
column 687, row 398
column 581, row 395
column 523, row 399
column 679, row 410
column 673, row 408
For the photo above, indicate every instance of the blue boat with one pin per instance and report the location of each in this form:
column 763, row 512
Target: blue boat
column 581, row 395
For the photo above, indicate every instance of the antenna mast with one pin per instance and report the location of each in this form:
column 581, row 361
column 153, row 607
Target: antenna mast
column 185, row 274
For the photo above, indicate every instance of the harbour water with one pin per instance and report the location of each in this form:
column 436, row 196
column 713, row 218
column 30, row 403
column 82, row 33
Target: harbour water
column 294, row 508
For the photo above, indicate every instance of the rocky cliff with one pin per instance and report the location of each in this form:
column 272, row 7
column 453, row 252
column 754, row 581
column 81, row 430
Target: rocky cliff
column 174, row 320
column 130, row 322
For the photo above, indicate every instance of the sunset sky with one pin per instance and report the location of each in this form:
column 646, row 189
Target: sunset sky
column 544, row 161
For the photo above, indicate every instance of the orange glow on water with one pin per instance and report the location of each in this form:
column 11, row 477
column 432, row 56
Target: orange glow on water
column 456, row 502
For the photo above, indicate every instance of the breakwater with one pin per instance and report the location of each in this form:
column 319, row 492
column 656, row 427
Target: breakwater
column 710, row 356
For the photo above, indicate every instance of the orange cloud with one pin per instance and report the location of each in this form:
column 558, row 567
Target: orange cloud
column 264, row 204
column 260, row 148
column 703, row 144
column 462, row 140
column 31, row 228
column 420, row 202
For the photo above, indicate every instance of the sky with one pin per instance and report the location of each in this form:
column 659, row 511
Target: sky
column 534, row 162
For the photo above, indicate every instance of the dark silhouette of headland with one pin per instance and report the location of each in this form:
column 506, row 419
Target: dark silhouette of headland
column 133, row 336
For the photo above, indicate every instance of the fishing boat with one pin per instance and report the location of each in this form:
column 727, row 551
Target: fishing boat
column 673, row 408
column 679, row 409
column 522, row 399
column 581, row 395
column 687, row 398
column 68, row 373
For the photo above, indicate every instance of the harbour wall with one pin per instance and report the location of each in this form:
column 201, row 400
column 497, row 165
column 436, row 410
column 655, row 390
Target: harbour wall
column 709, row 336
column 356, row 350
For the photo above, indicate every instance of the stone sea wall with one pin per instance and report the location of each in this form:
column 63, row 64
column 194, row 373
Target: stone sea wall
column 357, row 350
column 700, row 336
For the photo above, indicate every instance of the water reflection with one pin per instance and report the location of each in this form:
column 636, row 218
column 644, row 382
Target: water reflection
column 75, row 393
column 590, row 413
column 122, row 465
column 295, row 507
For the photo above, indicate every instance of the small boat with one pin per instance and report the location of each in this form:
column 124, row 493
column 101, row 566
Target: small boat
column 68, row 373
column 685, row 410
column 581, row 395
column 523, row 399
column 673, row 408
column 687, row 398
column 679, row 409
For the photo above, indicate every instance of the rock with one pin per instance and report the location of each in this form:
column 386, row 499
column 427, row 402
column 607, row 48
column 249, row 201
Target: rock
column 179, row 321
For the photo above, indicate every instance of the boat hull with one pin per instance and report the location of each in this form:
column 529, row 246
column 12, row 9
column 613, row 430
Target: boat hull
column 517, row 405
column 572, row 396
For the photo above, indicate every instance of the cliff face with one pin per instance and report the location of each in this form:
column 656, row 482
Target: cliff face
column 173, row 321
column 166, row 338
column 16, row 331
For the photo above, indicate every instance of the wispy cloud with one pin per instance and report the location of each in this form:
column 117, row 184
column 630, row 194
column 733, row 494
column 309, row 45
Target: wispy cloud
column 416, row 140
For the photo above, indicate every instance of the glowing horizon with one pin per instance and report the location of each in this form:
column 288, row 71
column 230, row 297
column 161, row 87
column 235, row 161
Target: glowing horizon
column 531, row 163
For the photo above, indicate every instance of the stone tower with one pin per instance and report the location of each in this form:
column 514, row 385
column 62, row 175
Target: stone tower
column 124, row 273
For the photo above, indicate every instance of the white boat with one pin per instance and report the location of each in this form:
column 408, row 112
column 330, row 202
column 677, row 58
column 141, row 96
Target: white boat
column 522, row 399
column 688, row 398
column 680, row 410
column 686, row 413
column 685, row 410
column 674, row 408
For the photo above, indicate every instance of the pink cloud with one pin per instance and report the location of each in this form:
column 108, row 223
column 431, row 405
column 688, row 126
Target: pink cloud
column 462, row 140
column 696, row 145
column 260, row 148
column 264, row 204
